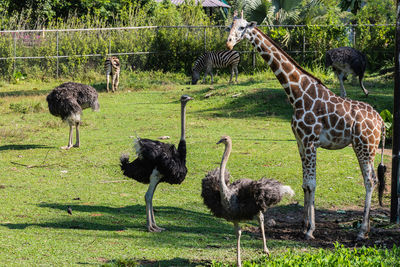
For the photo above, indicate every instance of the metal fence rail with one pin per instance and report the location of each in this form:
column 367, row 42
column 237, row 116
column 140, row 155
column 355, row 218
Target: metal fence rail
column 52, row 44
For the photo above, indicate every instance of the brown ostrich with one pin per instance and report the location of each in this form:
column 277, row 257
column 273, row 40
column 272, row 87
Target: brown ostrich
column 67, row 101
column 242, row 199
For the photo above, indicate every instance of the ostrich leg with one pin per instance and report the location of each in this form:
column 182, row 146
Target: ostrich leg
column 261, row 220
column 150, row 221
column 238, row 235
column 69, row 139
column 78, row 143
column 341, row 76
column 360, row 78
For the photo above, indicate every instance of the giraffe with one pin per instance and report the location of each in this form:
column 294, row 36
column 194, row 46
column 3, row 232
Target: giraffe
column 320, row 119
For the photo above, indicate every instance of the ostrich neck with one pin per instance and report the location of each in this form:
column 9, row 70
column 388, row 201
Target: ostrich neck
column 223, row 188
column 183, row 121
column 286, row 70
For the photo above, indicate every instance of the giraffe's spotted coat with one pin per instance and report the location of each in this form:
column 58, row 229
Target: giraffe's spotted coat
column 320, row 118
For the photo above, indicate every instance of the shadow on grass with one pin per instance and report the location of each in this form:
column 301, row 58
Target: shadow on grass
column 261, row 103
column 161, row 263
column 23, row 147
column 270, row 102
column 98, row 218
column 24, row 93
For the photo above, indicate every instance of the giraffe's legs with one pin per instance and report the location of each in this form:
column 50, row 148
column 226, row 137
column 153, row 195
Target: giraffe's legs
column 367, row 169
column 69, row 138
column 261, row 221
column 150, row 221
column 238, row 232
column 77, row 144
column 309, row 184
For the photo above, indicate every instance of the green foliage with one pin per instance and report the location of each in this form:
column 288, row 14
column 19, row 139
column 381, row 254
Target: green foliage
column 27, row 107
column 175, row 49
column 353, row 5
column 18, row 76
column 387, row 117
column 340, row 256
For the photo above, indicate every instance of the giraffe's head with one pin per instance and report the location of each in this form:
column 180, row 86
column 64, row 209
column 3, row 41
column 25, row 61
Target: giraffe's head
column 238, row 30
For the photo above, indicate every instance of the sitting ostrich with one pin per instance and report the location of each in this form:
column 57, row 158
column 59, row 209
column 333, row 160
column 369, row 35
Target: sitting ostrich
column 242, row 199
column 344, row 61
column 157, row 162
column 67, row 101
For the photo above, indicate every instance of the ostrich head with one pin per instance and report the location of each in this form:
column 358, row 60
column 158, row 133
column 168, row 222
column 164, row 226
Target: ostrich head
column 225, row 140
column 185, row 98
column 238, row 30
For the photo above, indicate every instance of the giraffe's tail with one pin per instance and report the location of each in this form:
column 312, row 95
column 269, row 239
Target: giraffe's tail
column 381, row 170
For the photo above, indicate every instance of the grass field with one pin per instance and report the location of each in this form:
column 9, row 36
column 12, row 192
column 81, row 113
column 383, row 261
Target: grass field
column 38, row 180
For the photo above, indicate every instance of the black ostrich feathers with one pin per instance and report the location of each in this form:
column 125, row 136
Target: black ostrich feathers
column 210, row 192
column 164, row 158
column 71, row 98
column 342, row 55
column 169, row 161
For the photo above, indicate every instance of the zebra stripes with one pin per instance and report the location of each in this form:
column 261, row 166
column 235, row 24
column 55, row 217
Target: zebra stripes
column 112, row 67
column 215, row 59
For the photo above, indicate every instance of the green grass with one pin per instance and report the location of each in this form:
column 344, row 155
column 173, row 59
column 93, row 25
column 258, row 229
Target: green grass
column 38, row 180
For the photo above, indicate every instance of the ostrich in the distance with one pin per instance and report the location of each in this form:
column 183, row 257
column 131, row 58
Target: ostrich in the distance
column 242, row 199
column 67, row 101
column 157, row 162
column 345, row 61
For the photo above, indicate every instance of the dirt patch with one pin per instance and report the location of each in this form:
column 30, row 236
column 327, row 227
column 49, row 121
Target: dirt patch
column 331, row 226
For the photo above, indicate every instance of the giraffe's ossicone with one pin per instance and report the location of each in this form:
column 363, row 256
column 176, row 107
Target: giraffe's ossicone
column 320, row 119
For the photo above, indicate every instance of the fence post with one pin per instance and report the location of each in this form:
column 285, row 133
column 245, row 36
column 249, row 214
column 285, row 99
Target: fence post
column 205, row 39
column 109, row 45
column 15, row 51
column 58, row 53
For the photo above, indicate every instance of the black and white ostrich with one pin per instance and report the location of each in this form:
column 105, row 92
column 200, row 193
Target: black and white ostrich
column 158, row 162
column 345, row 61
column 242, row 199
column 67, row 101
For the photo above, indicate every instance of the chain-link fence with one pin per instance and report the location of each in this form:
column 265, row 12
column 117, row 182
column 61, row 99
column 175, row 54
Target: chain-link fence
column 66, row 52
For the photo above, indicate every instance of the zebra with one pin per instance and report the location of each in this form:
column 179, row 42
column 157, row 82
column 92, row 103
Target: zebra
column 112, row 67
column 218, row 59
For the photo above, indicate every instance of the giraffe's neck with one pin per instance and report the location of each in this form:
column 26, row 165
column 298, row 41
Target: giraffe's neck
column 286, row 70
